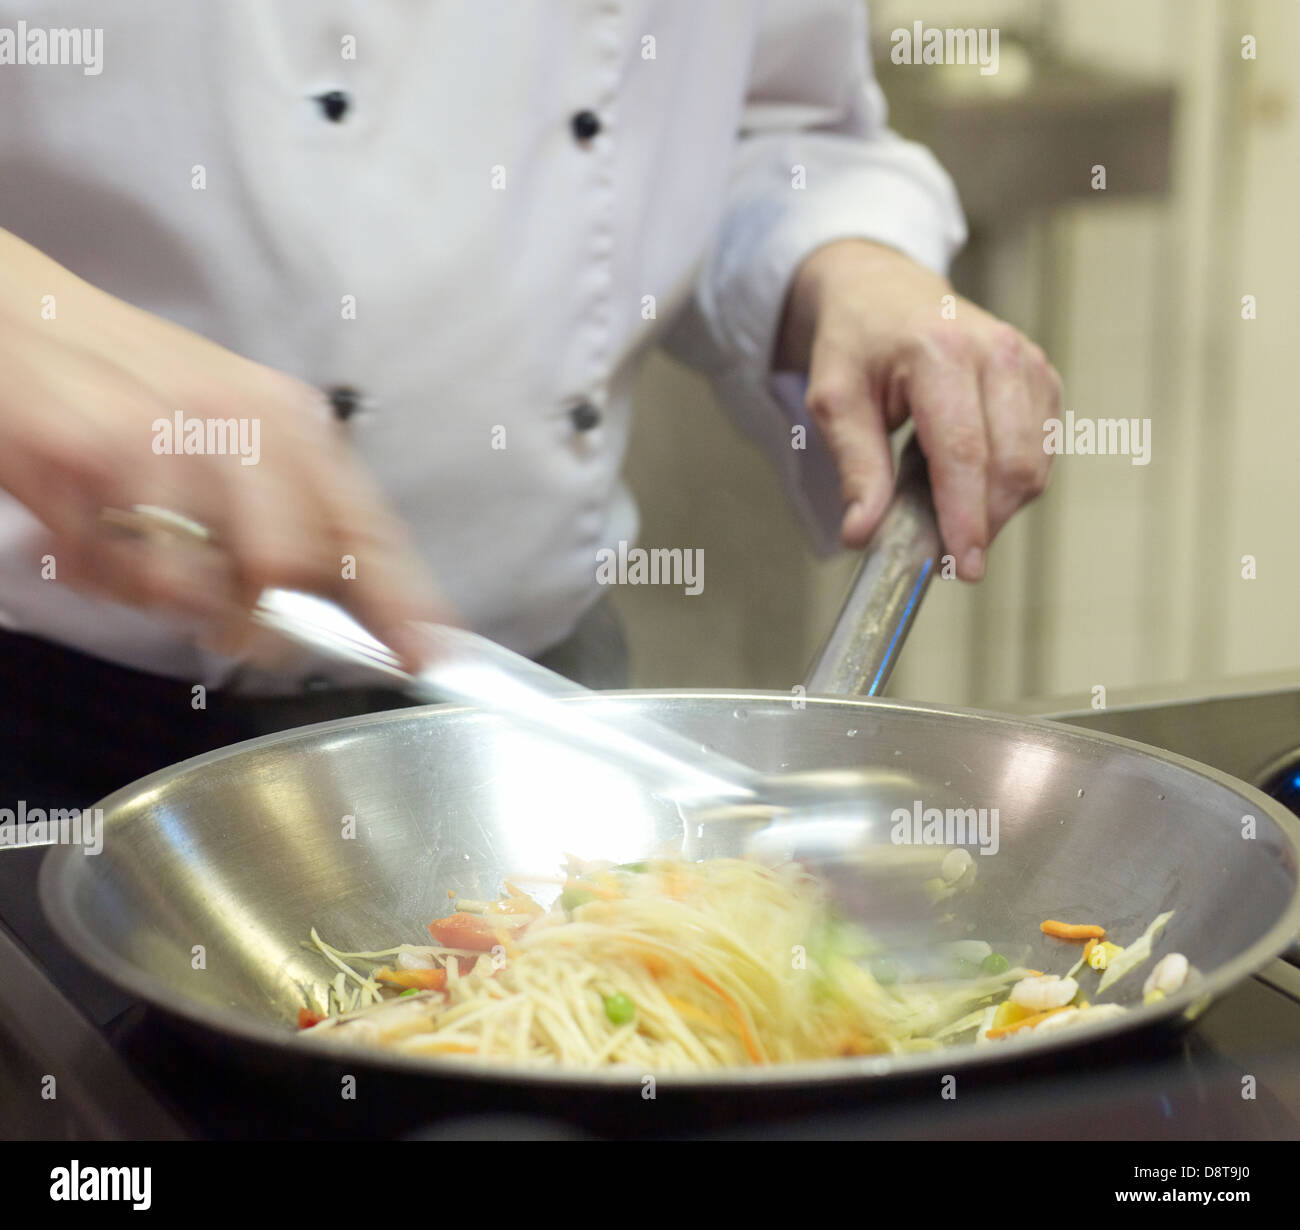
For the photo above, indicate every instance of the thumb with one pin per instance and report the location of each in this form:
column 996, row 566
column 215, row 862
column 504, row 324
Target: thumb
column 852, row 423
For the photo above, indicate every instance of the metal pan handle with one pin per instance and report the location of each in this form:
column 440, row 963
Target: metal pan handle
column 896, row 569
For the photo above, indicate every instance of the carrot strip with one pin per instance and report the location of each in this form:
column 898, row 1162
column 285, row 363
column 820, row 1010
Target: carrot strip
column 656, row 965
column 417, row 979
column 519, row 902
column 448, row 1048
column 1087, row 949
column 673, row 885
column 1073, row 931
column 860, row 1044
column 602, row 891
column 307, row 1018
column 516, row 907
column 654, row 961
column 752, row 1049
column 1027, row 1022
column 467, row 931
column 699, row 1016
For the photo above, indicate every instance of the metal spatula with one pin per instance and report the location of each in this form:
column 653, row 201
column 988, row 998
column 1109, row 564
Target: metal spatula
column 820, row 817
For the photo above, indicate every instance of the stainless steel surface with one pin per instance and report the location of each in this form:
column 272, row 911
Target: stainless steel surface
column 821, row 817
column 465, row 668
column 1028, row 137
column 321, row 627
column 886, row 592
column 236, row 855
column 1245, row 734
column 468, row 669
column 1249, row 728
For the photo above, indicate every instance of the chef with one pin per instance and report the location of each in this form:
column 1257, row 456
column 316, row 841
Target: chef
column 350, row 298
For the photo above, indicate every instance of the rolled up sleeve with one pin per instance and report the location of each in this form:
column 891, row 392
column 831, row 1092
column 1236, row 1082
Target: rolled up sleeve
column 815, row 162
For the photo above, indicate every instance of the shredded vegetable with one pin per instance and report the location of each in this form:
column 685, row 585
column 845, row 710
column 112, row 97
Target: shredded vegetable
column 668, row 965
column 1134, row 955
column 664, row 965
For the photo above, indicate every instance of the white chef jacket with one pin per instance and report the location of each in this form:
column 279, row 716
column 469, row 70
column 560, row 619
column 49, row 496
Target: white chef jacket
column 423, row 157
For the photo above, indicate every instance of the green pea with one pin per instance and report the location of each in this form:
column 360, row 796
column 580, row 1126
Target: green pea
column 884, row 970
column 994, row 963
column 619, row 1008
column 572, row 898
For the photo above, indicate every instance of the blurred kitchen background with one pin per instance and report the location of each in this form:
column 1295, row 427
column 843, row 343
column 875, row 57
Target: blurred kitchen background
column 1121, row 575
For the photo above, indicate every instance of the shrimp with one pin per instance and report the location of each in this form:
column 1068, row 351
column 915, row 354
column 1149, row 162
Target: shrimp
column 1169, row 974
column 1043, row 992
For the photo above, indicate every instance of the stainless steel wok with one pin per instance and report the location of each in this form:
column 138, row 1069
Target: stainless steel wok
column 236, row 855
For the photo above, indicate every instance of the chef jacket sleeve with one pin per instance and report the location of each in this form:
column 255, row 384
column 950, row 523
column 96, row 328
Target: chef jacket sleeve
column 815, row 162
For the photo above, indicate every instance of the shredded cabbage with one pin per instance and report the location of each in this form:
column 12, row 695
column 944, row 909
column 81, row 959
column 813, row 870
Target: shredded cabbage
column 1133, row 956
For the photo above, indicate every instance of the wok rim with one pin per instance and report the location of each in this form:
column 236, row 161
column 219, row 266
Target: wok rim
column 57, row 875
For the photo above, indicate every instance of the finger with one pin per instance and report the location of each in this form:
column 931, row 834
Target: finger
column 1045, row 391
column 160, row 568
column 840, row 400
column 389, row 588
column 944, row 395
column 269, row 517
column 1018, row 463
column 276, row 531
column 154, row 570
